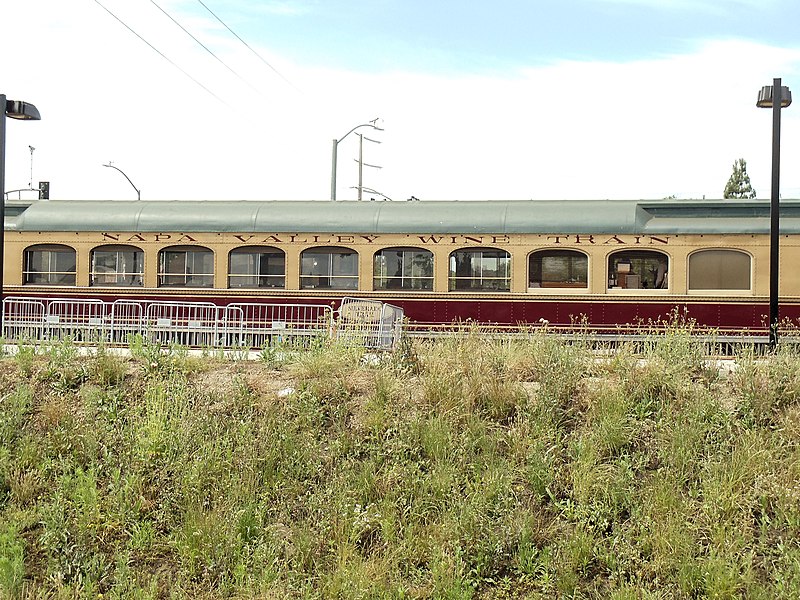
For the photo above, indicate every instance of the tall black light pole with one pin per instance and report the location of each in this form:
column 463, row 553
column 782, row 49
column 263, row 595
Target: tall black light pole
column 776, row 97
column 16, row 110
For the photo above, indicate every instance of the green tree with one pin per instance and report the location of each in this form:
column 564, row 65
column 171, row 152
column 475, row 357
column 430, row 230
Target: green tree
column 738, row 185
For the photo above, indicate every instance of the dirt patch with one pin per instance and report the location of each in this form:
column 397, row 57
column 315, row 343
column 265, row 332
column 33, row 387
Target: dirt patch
column 227, row 379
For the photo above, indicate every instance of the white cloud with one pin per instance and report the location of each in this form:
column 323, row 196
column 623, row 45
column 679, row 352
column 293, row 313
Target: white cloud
column 569, row 130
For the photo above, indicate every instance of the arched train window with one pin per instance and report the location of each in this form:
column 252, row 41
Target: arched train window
column 329, row 267
column 638, row 269
column 186, row 266
column 719, row 270
column 558, row 269
column 117, row 266
column 479, row 270
column 49, row 264
column 256, row 267
column 403, row 269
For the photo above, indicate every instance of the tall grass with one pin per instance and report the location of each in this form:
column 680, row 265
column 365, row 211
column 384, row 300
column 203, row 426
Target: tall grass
column 467, row 467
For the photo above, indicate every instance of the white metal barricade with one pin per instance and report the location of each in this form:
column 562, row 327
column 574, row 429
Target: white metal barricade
column 391, row 327
column 370, row 323
column 183, row 323
column 23, row 319
column 81, row 320
column 127, row 319
column 262, row 325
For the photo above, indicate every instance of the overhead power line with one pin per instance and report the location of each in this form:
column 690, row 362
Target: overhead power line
column 161, row 54
column 246, row 44
column 206, row 48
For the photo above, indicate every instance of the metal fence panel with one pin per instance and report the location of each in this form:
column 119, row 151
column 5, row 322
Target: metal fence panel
column 80, row 320
column 263, row 325
column 23, row 319
column 127, row 319
column 183, row 323
column 391, row 327
column 370, row 323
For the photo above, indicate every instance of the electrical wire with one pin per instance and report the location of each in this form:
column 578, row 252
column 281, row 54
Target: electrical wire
column 206, row 48
column 246, row 44
column 161, row 54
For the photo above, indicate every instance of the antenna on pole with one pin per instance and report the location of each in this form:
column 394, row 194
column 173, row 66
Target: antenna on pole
column 30, row 182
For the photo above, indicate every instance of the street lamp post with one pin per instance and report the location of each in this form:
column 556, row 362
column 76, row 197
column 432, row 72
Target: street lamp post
column 335, row 151
column 138, row 191
column 24, row 111
column 775, row 97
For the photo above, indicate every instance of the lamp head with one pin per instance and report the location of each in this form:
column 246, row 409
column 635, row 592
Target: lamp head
column 765, row 97
column 17, row 109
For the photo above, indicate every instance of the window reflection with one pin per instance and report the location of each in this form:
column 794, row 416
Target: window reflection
column 403, row 269
column 477, row 270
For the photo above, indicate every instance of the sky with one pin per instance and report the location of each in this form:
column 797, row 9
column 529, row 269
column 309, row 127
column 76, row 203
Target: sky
column 476, row 99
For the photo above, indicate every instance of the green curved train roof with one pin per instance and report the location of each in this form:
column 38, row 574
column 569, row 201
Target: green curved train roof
column 669, row 216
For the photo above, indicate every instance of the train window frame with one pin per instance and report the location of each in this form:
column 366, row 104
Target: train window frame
column 636, row 277
column 452, row 280
column 136, row 276
column 54, row 252
column 570, row 287
column 191, row 277
column 720, row 290
column 324, row 269
column 406, row 274
column 263, row 280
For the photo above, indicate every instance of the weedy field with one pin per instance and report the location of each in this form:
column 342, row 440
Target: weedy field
column 460, row 468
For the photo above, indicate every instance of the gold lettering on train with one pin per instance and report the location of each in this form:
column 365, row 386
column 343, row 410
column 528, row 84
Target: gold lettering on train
column 614, row 240
column 341, row 238
column 462, row 239
column 583, row 239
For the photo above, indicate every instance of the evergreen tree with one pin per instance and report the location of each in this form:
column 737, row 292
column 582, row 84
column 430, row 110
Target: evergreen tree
column 738, row 185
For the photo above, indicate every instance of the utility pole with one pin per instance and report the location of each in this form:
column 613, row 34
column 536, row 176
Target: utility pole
column 362, row 164
column 335, row 151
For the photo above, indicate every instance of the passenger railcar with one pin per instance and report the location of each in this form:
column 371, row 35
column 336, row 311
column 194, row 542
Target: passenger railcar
column 599, row 264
